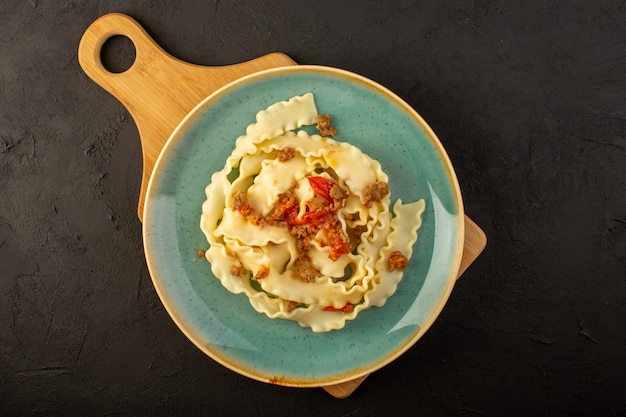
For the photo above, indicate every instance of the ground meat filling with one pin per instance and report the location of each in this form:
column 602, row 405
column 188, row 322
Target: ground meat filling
column 285, row 209
column 375, row 192
column 338, row 195
column 358, row 231
column 241, row 204
column 238, row 271
column 263, row 271
column 304, row 270
column 303, row 237
column 397, row 261
column 285, row 154
column 324, row 125
column 290, row 305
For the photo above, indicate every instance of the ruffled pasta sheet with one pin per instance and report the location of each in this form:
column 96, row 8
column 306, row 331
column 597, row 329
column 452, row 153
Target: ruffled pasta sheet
column 360, row 278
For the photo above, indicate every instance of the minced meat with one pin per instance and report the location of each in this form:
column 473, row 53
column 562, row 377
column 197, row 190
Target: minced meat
column 241, row 204
column 238, row 271
column 302, row 235
column 338, row 194
column 397, row 261
column 358, row 231
column 263, row 271
column 304, row 269
column 324, row 125
column 375, row 191
column 285, row 154
column 290, row 305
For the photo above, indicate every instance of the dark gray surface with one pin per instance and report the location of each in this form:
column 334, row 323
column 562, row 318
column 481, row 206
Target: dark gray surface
column 529, row 99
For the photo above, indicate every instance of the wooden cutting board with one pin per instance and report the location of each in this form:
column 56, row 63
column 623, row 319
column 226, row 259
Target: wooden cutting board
column 159, row 90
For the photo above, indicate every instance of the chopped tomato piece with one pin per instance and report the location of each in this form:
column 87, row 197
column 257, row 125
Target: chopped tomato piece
column 288, row 212
column 316, row 218
column 322, row 187
column 338, row 245
column 345, row 309
column 320, row 218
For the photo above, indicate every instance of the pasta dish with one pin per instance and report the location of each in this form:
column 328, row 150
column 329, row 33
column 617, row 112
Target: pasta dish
column 303, row 224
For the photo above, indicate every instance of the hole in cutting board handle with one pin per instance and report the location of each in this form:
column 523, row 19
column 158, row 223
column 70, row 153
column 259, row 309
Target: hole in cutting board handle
column 118, row 54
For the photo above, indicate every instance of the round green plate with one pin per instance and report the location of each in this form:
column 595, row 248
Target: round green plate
column 224, row 325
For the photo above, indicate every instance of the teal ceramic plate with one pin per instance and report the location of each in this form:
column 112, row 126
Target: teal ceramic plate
column 224, row 325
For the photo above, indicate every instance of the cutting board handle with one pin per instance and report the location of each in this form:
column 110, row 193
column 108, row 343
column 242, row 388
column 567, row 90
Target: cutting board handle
column 90, row 49
column 158, row 90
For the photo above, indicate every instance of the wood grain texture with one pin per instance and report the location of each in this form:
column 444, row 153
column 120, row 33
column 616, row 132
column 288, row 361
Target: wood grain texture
column 159, row 90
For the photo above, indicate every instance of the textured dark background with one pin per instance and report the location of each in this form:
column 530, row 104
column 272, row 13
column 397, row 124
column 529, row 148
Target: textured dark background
column 529, row 99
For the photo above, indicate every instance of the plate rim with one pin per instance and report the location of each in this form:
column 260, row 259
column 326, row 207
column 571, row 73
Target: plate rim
column 373, row 365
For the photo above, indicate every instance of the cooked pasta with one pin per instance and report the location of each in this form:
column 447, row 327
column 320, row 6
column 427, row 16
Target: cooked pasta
column 301, row 223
